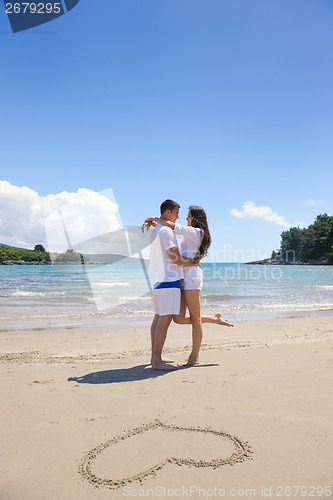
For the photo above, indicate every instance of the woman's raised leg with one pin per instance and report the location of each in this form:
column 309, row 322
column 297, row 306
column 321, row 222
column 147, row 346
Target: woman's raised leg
column 182, row 319
column 216, row 320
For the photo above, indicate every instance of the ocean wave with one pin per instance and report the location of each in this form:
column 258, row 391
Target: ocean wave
column 311, row 306
column 26, row 293
column 109, row 284
column 277, row 307
column 212, row 296
column 324, row 287
column 108, row 314
column 120, row 300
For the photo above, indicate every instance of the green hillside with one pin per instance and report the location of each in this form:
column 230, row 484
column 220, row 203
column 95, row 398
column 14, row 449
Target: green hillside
column 15, row 255
column 9, row 254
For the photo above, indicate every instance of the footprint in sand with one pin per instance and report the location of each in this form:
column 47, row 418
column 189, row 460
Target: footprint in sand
column 51, row 381
column 134, row 456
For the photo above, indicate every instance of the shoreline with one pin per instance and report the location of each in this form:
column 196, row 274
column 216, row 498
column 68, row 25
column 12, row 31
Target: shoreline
column 101, row 321
column 125, row 336
column 82, row 406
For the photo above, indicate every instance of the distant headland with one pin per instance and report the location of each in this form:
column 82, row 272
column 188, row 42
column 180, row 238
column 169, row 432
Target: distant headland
column 10, row 255
column 311, row 245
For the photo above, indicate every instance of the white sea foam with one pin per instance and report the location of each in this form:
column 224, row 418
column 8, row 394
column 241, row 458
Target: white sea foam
column 324, row 287
column 109, row 284
column 27, row 293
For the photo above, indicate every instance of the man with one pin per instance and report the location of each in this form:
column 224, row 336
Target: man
column 166, row 271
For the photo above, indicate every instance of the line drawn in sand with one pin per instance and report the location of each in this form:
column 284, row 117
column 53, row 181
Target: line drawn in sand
column 235, row 451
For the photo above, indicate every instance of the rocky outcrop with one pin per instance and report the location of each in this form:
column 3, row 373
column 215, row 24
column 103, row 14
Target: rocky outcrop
column 279, row 262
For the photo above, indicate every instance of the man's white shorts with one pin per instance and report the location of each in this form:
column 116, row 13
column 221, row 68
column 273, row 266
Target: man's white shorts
column 166, row 301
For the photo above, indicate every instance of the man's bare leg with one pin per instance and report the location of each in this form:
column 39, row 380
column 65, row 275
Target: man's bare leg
column 152, row 334
column 158, row 339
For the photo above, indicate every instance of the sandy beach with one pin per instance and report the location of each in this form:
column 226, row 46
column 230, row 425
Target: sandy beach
column 83, row 416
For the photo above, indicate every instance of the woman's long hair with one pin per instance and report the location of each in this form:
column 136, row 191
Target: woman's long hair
column 199, row 219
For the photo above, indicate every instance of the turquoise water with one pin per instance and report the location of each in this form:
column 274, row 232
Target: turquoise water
column 120, row 292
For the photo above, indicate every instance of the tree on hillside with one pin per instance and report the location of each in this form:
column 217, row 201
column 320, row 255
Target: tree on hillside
column 291, row 243
column 39, row 248
column 312, row 243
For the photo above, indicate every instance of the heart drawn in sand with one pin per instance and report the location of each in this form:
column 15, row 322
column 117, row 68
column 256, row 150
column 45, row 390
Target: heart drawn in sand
column 144, row 451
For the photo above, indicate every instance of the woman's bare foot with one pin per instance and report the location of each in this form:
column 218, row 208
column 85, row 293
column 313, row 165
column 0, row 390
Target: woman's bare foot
column 190, row 361
column 221, row 321
column 162, row 365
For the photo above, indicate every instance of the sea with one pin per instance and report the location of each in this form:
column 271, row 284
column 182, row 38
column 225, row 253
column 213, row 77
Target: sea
column 120, row 293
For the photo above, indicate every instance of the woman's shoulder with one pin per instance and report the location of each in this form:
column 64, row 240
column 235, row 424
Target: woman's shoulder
column 187, row 229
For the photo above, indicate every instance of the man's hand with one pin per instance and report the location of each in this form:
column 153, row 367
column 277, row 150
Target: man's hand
column 150, row 221
column 178, row 259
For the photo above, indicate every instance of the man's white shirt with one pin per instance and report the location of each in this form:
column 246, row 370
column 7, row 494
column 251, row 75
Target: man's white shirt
column 161, row 268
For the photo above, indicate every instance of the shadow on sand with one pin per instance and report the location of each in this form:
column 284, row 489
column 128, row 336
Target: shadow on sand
column 140, row 372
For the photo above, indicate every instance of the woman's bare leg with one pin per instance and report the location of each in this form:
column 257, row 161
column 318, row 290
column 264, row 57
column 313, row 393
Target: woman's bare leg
column 182, row 319
column 192, row 300
column 216, row 319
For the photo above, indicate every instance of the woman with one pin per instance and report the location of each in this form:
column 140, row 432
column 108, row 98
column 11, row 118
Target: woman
column 194, row 242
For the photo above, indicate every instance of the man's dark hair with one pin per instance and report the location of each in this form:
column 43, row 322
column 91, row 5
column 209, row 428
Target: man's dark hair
column 168, row 205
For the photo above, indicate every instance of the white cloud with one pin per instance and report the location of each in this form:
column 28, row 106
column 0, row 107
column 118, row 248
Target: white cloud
column 251, row 210
column 314, row 203
column 27, row 218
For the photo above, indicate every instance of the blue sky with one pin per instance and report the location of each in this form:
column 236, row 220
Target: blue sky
column 225, row 104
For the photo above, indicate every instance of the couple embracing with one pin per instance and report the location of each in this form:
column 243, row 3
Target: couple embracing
column 176, row 275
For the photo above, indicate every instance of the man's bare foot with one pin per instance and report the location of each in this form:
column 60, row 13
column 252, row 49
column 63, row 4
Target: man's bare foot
column 164, row 360
column 221, row 321
column 162, row 365
column 190, row 361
